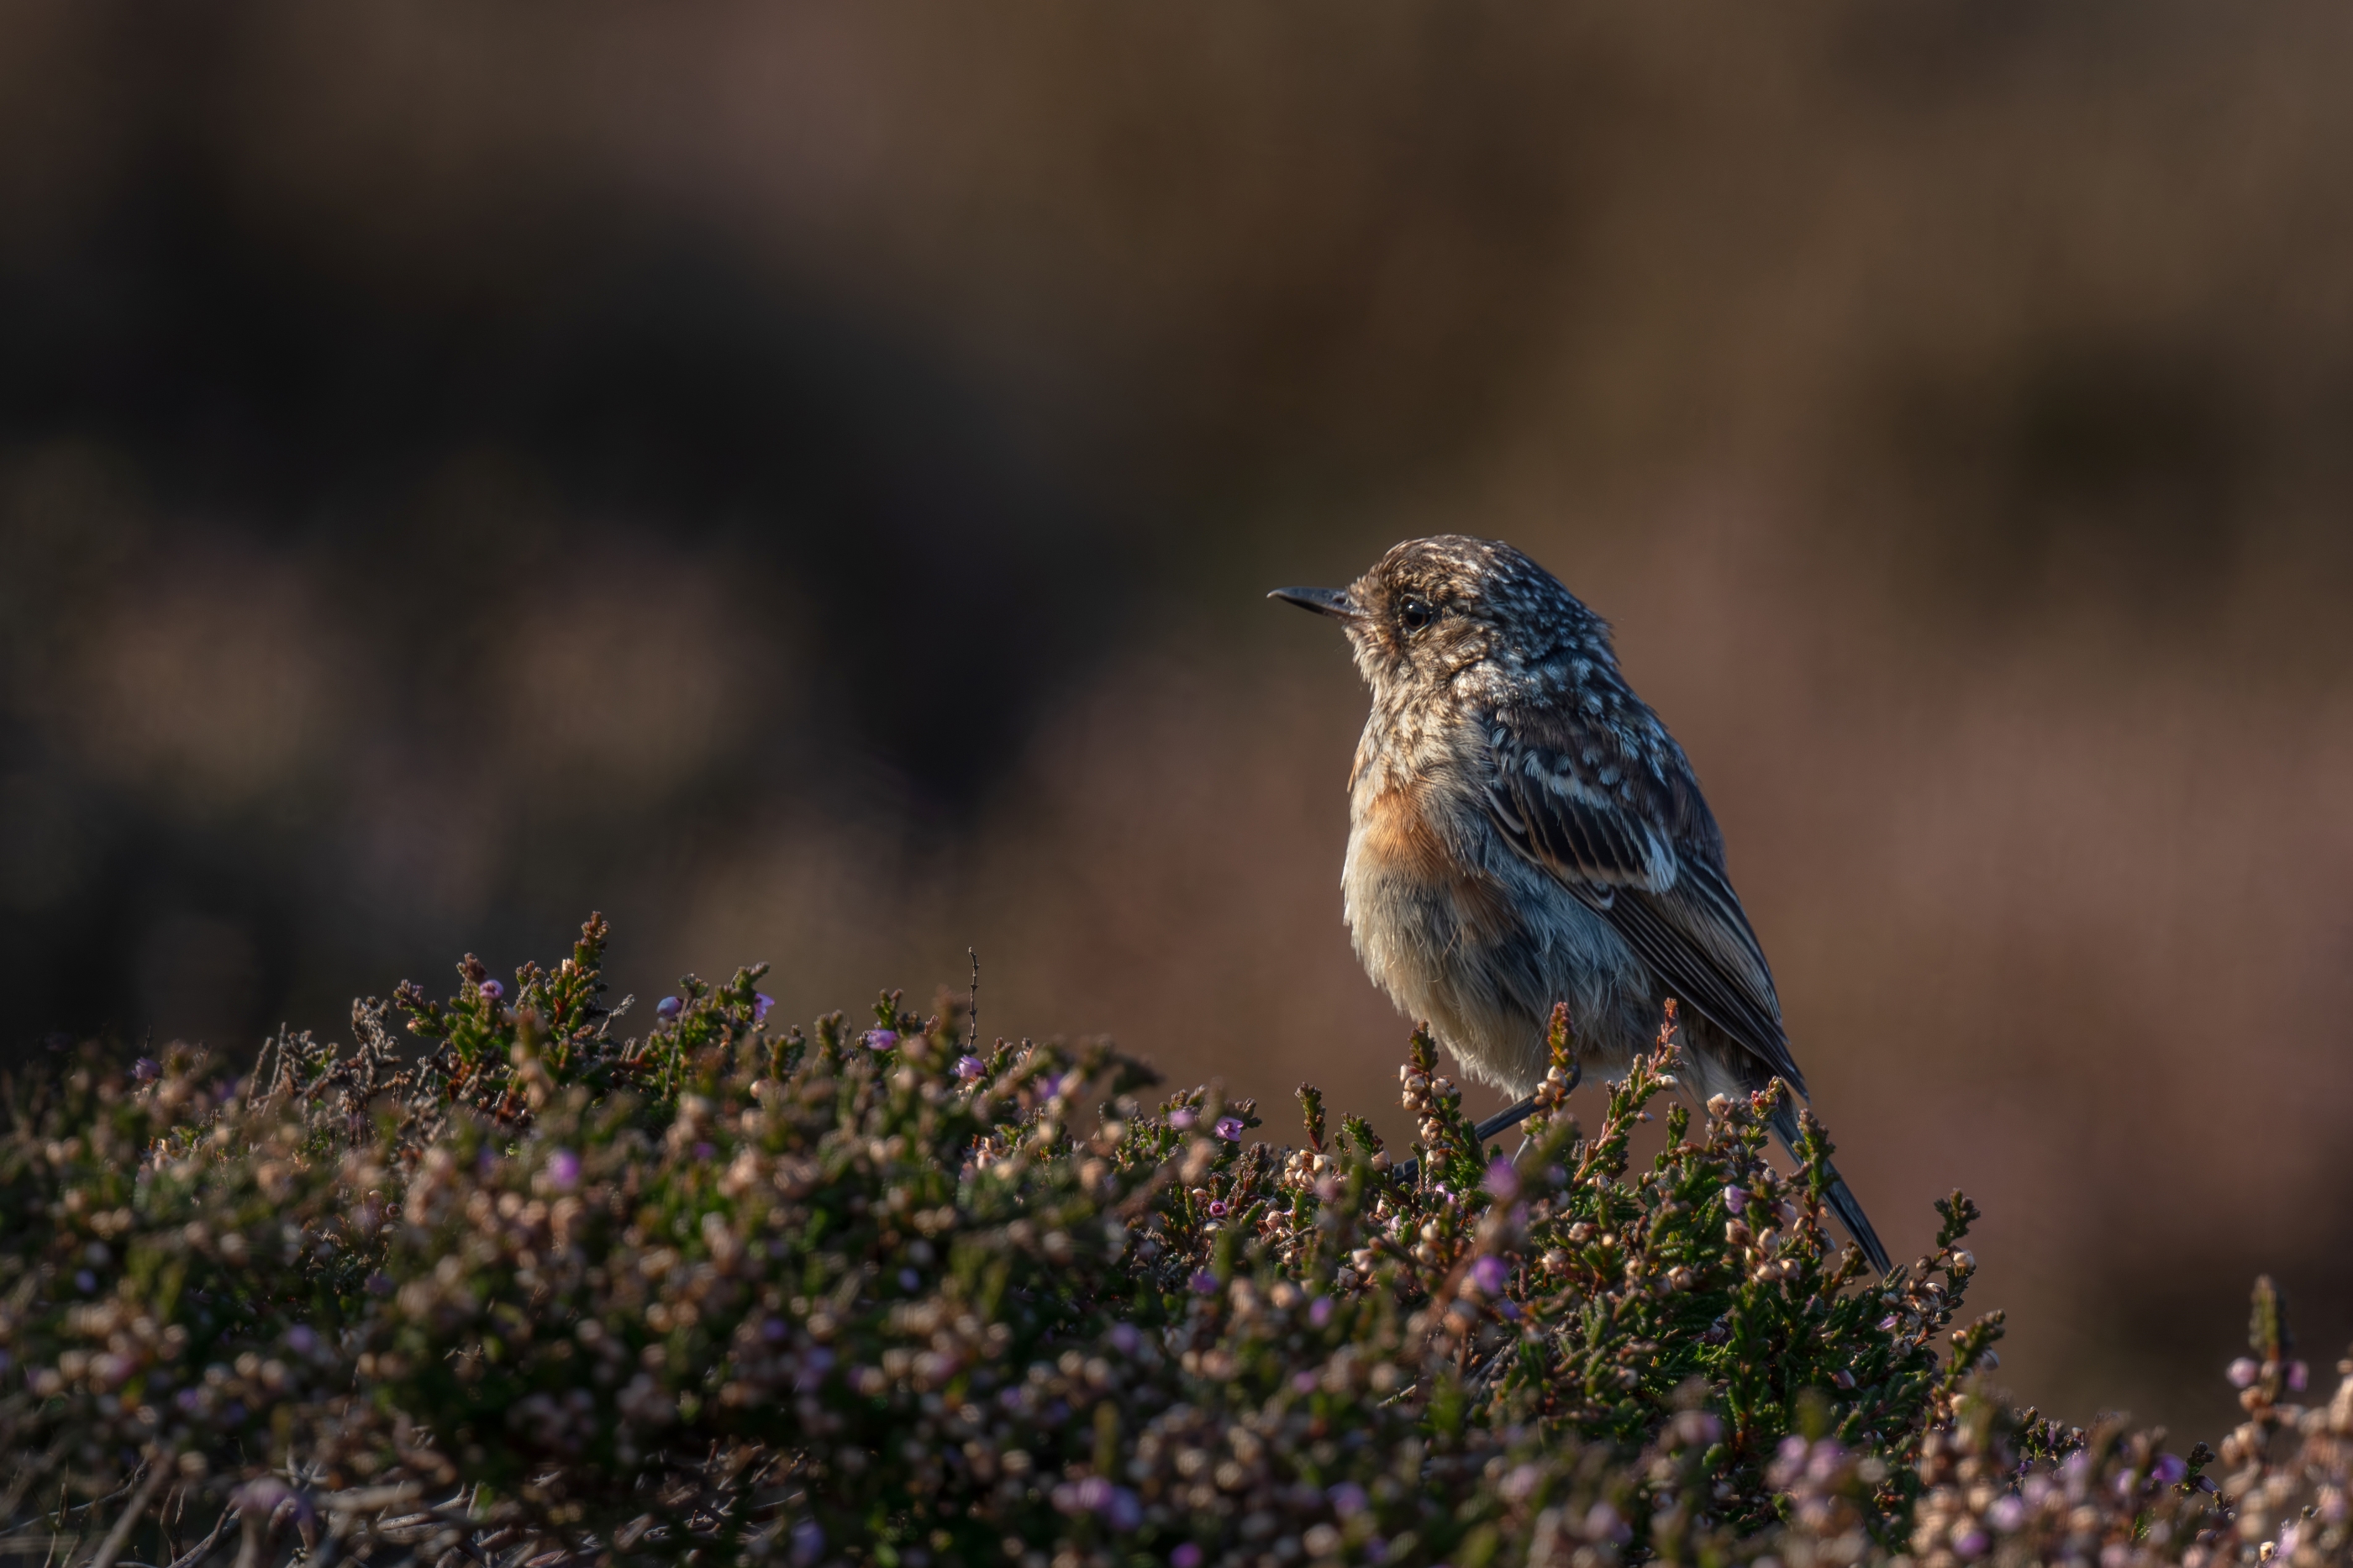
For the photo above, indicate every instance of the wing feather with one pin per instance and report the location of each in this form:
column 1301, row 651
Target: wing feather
column 1668, row 897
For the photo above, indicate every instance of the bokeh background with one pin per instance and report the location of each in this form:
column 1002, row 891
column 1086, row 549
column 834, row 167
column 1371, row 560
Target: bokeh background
column 802, row 481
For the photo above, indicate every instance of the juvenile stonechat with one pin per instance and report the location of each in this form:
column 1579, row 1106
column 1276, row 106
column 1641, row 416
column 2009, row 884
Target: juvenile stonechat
column 1524, row 831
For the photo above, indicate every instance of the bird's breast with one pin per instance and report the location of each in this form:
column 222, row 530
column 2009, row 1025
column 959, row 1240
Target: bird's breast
column 1414, row 888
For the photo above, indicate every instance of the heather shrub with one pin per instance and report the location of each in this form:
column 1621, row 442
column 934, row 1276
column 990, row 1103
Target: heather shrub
column 522, row 1291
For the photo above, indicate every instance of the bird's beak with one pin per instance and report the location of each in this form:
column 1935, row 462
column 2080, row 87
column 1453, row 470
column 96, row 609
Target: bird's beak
column 1333, row 602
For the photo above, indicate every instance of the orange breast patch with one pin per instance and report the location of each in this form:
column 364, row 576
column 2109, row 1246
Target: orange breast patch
column 1397, row 843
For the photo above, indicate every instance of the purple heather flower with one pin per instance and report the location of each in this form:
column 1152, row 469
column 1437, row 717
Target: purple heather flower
column 1124, row 1511
column 666, row 1009
column 1827, row 1457
column 1349, row 1499
column 1094, row 1494
column 910, row 1281
column 970, row 1068
column 1603, row 1523
column 704, row 1150
column 816, row 1361
column 773, row 1330
column 301, row 1340
column 1697, row 1428
column 1303, row 1382
column 1186, row 1555
column 1502, row 1180
column 2125, row 1487
column 1490, row 1274
column 881, row 1039
column 808, row 1542
column 85, row 1281
column 146, row 1069
column 188, row 1399
column 1735, row 1199
column 1203, row 1282
column 2171, row 1470
column 2298, row 1374
column 260, row 1497
column 2244, row 1372
column 2007, row 1514
column 563, row 1170
column 1229, row 1128
column 1217, row 1208
column 1124, row 1339
column 761, row 1003
column 1182, row 1120
column 1319, row 1311
column 1973, row 1542
column 493, row 990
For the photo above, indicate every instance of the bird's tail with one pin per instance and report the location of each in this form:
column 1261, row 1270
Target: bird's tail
column 1843, row 1202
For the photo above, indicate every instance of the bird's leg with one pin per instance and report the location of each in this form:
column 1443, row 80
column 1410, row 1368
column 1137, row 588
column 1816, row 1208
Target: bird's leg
column 1502, row 1121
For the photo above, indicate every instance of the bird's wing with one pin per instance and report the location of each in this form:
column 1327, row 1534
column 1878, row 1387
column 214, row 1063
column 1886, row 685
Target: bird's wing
column 1644, row 857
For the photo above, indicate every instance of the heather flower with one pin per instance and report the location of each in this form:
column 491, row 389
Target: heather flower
column 2298, row 1376
column 2244, row 1372
column 146, row 1069
column 761, row 1003
column 692, row 1304
column 668, row 1008
column 493, row 990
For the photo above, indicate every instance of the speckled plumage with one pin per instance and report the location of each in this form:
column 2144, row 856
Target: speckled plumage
column 1524, row 831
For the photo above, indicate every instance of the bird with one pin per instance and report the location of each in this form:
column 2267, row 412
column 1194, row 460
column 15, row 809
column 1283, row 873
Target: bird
column 1524, row 831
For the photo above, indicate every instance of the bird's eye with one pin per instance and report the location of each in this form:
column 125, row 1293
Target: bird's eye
column 1414, row 615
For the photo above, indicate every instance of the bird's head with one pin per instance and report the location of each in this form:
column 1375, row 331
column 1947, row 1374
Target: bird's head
column 1433, row 610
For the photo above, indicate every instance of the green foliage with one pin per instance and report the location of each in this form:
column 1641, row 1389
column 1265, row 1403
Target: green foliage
column 541, row 1294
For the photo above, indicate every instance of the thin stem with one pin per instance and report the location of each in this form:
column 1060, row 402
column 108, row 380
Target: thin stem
column 112, row 1547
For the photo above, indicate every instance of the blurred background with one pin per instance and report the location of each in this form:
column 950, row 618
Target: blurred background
column 803, row 480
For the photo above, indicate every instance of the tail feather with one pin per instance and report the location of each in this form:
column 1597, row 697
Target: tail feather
column 1857, row 1222
column 1843, row 1202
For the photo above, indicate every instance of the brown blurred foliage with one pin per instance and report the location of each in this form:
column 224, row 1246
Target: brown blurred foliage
column 801, row 480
